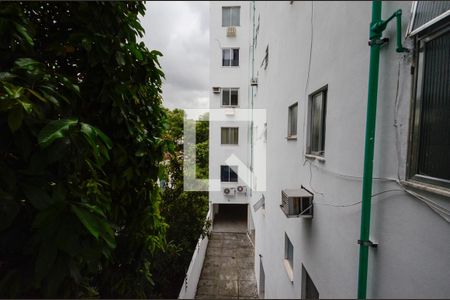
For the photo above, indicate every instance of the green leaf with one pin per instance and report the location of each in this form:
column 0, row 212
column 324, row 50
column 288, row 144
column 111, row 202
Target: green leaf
column 15, row 118
column 26, row 63
column 28, row 107
column 23, row 32
column 6, row 76
column 106, row 140
column 136, row 52
column 37, row 95
column 88, row 220
column 55, row 130
column 119, row 58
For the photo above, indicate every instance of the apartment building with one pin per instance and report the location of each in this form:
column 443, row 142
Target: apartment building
column 307, row 64
column 229, row 135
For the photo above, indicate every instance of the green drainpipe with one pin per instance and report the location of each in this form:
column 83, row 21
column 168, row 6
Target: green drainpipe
column 377, row 26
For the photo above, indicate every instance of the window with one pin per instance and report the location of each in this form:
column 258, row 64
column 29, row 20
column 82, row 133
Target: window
column 230, row 97
column 309, row 290
column 228, row 173
column 231, row 16
column 288, row 251
column 292, row 121
column 317, row 114
column 430, row 124
column 428, row 14
column 230, row 57
column 229, row 135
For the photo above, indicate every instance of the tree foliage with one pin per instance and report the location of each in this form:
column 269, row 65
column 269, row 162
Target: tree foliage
column 81, row 144
column 184, row 212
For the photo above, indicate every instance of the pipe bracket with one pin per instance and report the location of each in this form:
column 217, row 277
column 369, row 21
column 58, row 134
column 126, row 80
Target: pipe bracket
column 367, row 243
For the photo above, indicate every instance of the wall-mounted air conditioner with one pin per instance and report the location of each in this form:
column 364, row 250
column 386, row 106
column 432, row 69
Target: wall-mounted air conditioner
column 241, row 189
column 254, row 82
column 231, row 31
column 229, row 192
column 216, row 90
column 297, row 202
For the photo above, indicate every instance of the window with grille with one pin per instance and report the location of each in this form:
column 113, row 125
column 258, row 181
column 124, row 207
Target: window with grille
column 316, row 126
column 230, row 57
column 228, row 174
column 229, row 135
column 292, row 120
column 230, row 97
column 430, row 124
column 231, row 16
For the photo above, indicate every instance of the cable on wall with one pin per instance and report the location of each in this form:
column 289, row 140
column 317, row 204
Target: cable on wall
column 437, row 208
column 305, row 113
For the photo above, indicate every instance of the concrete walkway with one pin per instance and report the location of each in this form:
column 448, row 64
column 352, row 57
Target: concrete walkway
column 228, row 269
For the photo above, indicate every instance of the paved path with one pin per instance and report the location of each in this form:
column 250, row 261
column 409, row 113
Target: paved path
column 228, row 269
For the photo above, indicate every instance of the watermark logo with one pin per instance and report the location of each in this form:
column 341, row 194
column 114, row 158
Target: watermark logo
column 248, row 157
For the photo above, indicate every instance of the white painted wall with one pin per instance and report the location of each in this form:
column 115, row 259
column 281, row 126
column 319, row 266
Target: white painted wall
column 228, row 77
column 412, row 259
column 189, row 287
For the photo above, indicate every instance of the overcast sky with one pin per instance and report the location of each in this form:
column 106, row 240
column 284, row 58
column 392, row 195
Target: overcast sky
column 180, row 31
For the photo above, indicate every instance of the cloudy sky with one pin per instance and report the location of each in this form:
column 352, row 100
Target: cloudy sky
column 180, row 30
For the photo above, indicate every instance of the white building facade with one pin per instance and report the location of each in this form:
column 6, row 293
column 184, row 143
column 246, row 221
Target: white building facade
column 311, row 62
column 229, row 73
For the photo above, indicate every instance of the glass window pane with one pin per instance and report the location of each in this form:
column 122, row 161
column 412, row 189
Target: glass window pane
column 226, row 57
column 434, row 132
column 234, row 97
column 225, row 97
column 234, row 139
column 224, row 174
column 235, row 61
column 224, row 136
column 292, row 120
column 226, row 11
column 235, row 16
column 233, row 174
column 316, row 123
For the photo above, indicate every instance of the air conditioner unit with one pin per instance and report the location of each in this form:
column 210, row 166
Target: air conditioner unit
column 230, row 192
column 231, row 31
column 297, row 203
column 216, row 90
column 241, row 189
column 254, row 82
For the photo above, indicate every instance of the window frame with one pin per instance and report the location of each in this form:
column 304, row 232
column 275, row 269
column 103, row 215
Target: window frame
column 229, row 135
column 287, row 242
column 412, row 164
column 231, row 13
column 229, row 97
column 238, row 60
column 304, row 285
column 309, row 152
column 232, row 168
column 291, row 136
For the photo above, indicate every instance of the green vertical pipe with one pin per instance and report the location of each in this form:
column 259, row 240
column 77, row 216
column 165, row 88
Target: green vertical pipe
column 369, row 149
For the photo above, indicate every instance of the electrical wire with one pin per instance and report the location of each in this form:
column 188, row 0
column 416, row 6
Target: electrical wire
column 307, row 77
column 439, row 209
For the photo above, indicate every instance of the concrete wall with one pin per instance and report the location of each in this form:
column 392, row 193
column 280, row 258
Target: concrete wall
column 412, row 259
column 189, row 288
column 228, row 77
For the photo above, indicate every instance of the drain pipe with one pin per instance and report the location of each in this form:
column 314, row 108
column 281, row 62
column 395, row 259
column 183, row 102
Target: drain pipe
column 377, row 26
